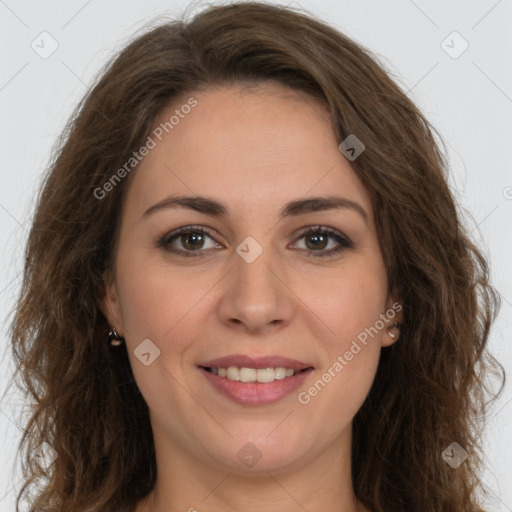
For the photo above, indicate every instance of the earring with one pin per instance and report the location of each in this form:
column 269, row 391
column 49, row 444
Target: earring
column 114, row 338
column 391, row 334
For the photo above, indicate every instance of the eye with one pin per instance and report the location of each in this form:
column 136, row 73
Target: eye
column 316, row 240
column 192, row 239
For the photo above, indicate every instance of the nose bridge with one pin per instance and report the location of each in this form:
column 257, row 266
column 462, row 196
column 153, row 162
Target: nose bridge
column 255, row 295
column 252, row 275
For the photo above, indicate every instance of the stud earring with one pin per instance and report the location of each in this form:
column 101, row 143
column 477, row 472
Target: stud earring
column 391, row 334
column 114, row 338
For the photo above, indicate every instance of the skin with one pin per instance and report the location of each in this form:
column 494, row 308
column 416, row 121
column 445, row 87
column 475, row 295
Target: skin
column 253, row 150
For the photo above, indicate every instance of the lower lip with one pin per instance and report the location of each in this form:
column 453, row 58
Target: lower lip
column 256, row 393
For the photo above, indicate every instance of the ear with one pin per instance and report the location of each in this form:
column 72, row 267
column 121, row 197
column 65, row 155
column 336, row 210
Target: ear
column 109, row 303
column 393, row 313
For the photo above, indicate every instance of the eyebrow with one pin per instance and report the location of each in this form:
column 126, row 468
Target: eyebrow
column 292, row 209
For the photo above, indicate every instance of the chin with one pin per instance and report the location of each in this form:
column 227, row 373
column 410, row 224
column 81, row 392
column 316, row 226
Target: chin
column 256, row 455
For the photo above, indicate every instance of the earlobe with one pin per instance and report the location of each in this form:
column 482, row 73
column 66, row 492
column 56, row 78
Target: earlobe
column 394, row 313
column 109, row 305
column 393, row 334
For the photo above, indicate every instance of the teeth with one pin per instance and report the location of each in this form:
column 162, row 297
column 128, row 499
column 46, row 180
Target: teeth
column 248, row 375
column 262, row 375
column 233, row 373
column 265, row 374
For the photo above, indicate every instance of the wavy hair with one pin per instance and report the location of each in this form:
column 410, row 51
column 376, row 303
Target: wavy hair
column 430, row 388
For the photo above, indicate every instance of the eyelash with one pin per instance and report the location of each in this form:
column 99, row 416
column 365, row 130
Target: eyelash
column 167, row 239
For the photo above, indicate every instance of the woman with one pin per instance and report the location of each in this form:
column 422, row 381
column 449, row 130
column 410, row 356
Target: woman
column 248, row 287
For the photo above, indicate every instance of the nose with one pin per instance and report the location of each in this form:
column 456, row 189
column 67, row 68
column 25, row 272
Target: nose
column 256, row 296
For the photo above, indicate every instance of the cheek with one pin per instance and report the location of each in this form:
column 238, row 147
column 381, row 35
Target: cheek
column 160, row 303
column 351, row 302
column 150, row 296
column 154, row 308
column 351, row 353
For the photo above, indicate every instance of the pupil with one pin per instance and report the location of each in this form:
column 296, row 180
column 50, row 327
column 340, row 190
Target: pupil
column 192, row 245
column 316, row 236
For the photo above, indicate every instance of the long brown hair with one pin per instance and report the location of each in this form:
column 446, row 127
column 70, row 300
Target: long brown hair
column 430, row 388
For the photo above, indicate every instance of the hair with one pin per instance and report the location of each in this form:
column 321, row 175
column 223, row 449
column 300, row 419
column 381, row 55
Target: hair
column 430, row 387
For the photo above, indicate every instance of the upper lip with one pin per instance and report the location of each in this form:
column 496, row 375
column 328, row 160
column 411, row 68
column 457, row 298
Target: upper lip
column 270, row 361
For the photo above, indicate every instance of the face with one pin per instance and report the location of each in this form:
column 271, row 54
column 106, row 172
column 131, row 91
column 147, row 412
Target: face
column 244, row 286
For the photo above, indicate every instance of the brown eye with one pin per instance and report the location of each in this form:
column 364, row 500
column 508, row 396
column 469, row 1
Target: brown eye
column 186, row 241
column 317, row 239
column 192, row 240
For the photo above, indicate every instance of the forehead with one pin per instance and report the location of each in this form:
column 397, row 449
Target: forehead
column 249, row 148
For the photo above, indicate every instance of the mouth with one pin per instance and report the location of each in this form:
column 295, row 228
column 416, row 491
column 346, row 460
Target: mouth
column 261, row 375
column 255, row 381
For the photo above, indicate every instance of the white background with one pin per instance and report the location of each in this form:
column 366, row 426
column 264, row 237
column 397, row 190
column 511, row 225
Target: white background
column 468, row 99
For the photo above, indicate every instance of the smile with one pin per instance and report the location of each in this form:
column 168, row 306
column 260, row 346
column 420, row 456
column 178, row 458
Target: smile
column 245, row 374
column 255, row 381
